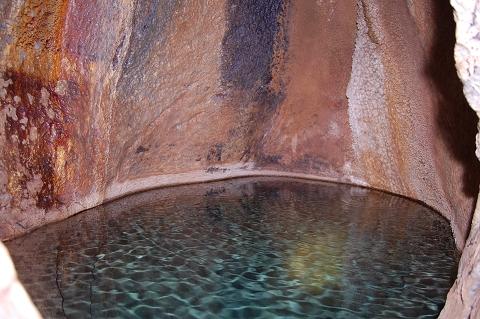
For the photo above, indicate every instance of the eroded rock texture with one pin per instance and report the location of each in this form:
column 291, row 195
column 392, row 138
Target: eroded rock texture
column 464, row 297
column 104, row 98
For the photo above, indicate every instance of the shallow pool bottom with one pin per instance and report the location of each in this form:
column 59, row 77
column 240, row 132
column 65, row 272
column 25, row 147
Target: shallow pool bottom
column 245, row 248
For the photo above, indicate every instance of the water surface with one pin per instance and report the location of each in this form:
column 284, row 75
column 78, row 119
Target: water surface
column 246, row 248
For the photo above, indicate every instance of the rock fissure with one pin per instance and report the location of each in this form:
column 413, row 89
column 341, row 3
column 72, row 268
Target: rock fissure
column 57, row 280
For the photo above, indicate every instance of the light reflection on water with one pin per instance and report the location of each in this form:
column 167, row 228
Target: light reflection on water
column 247, row 248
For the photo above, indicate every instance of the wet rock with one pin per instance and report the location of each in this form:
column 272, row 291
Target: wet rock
column 101, row 101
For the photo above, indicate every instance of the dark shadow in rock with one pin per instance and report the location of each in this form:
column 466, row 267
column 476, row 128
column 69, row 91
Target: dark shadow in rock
column 456, row 122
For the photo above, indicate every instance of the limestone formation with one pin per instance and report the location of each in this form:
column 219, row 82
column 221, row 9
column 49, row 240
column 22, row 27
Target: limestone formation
column 98, row 101
column 464, row 297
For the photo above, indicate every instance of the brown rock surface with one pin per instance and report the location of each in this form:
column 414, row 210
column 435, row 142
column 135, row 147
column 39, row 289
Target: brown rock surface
column 99, row 99
column 464, row 297
column 463, row 301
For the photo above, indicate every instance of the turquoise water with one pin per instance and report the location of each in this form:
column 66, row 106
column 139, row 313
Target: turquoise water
column 246, row 248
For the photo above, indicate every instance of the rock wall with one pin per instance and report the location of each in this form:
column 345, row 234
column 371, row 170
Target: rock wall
column 100, row 99
column 464, row 298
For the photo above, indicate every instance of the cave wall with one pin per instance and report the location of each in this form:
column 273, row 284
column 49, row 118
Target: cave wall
column 102, row 98
column 463, row 299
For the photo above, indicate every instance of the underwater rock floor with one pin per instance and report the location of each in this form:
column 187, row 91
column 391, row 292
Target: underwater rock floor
column 244, row 248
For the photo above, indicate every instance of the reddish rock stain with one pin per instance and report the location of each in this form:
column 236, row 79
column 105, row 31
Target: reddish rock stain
column 52, row 123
